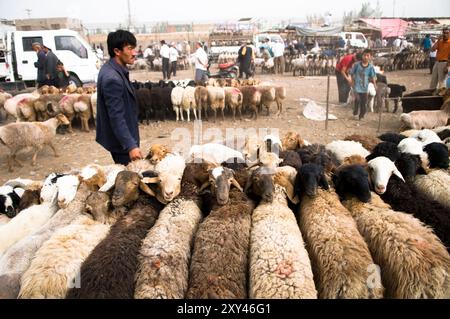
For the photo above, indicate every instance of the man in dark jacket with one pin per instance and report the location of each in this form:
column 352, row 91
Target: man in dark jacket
column 245, row 59
column 117, row 122
column 51, row 61
column 39, row 64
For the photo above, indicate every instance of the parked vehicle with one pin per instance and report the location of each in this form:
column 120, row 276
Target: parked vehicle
column 17, row 57
column 357, row 39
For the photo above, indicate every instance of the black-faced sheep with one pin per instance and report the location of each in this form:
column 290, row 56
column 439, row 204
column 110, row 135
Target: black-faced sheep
column 386, row 149
column 392, row 137
column 437, row 155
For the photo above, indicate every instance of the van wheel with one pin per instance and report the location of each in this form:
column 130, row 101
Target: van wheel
column 73, row 79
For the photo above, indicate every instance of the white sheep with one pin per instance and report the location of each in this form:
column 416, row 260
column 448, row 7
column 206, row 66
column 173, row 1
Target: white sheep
column 20, row 103
column 410, row 145
column 279, row 264
column 425, row 119
column 212, row 152
column 426, row 137
column 177, row 99
column 343, row 149
column 436, row 184
column 188, row 102
column 216, row 100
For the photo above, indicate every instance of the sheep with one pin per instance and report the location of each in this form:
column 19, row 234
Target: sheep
column 233, row 100
column 343, row 149
column 188, row 102
column 425, row 119
column 436, row 185
column 279, row 264
column 3, row 97
column 144, row 104
column 367, row 141
column 310, row 176
column 42, row 104
column 392, row 137
column 413, row 261
column 318, row 154
column 387, row 149
column 405, row 197
column 411, row 146
column 177, row 100
column 18, row 257
column 161, row 101
column 251, row 99
column 444, row 134
column 223, row 235
column 201, row 100
column 157, row 152
column 10, row 200
column 30, row 219
column 290, row 158
column 410, row 165
column 216, row 101
column 56, row 264
column 21, row 106
column 352, row 180
column 17, row 136
column 109, row 270
column 293, row 141
column 212, row 152
column 94, row 105
column 166, row 250
column 437, row 155
column 426, row 137
column 268, row 96
column 339, row 256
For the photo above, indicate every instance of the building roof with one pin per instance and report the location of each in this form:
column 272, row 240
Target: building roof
column 389, row 27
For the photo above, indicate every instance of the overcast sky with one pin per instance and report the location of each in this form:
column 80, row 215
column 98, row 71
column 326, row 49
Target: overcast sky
column 200, row 10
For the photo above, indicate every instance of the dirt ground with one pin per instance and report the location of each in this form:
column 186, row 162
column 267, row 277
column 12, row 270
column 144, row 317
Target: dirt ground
column 80, row 148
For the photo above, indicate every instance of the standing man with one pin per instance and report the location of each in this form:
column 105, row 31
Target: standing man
column 173, row 58
column 148, row 54
column 432, row 57
column 201, row 64
column 362, row 73
column 245, row 58
column 278, row 54
column 343, row 78
column 440, row 68
column 39, row 64
column 426, row 44
column 50, row 71
column 117, row 122
column 164, row 52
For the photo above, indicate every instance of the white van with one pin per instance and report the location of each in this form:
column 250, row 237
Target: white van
column 357, row 39
column 71, row 49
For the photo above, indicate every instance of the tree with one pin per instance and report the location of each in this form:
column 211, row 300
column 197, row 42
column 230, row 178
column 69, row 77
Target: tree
column 366, row 11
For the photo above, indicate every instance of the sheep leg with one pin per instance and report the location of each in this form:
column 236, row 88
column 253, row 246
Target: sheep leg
column 223, row 114
column 10, row 163
column 85, row 123
column 54, row 149
column 240, row 114
column 234, row 114
column 181, row 113
column 33, row 160
column 215, row 115
column 188, row 115
column 195, row 113
column 176, row 112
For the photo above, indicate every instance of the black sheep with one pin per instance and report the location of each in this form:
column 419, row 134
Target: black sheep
column 437, row 155
column 352, row 180
column 386, row 149
column 309, row 178
column 317, row 154
column 291, row 158
column 392, row 137
column 144, row 103
column 407, row 198
column 444, row 134
column 409, row 166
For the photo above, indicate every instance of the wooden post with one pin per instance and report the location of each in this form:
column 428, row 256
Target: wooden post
column 379, row 117
column 328, row 99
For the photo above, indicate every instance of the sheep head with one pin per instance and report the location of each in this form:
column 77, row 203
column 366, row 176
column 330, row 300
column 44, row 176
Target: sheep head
column 49, row 190
column 352, row 180
column 292, row 141
column 93, row 176
column 410, row 165
column 309, row 178
column 221, row 179
column 67, row 189
column 127, row 187
column 157, row 152
column 98, row 205
column 261, row 183
column 285, row 177
column 380, row 170
column 62, row 119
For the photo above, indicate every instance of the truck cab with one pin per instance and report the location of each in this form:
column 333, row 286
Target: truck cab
column 71, row 49
column 357, row 39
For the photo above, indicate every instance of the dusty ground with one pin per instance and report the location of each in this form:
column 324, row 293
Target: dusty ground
column 80, row 148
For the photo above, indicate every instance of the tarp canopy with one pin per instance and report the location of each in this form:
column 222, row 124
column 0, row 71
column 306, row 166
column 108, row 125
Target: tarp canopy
column 388, row 27
column 316, row 32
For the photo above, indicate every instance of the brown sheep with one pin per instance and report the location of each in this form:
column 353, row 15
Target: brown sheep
column 292, row 141
column 367, row 141
column 251, row 99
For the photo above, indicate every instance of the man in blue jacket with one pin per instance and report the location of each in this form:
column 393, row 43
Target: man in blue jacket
column 117, row 122
column 39, row 64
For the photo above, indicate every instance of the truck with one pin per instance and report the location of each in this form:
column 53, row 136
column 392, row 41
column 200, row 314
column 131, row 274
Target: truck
column 17, row 56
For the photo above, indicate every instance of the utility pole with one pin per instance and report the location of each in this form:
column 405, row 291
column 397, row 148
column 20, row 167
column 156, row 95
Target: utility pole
column 28, row 13
column 129, row 15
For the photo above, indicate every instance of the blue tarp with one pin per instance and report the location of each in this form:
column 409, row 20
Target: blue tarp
column 316, row 32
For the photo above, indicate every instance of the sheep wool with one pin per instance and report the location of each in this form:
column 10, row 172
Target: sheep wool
column 279, row 264
column 436, row 185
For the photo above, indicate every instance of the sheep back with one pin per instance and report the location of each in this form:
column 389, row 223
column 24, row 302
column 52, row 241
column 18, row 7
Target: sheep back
column 436, row 185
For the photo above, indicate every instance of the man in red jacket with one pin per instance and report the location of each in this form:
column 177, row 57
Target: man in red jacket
column 342, row 76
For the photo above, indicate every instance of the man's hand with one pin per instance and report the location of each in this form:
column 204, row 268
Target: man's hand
column 135, row 154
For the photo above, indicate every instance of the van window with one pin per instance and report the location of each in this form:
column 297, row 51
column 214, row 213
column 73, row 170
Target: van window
column 28, row 41
column 360, row 37
column 71, row 43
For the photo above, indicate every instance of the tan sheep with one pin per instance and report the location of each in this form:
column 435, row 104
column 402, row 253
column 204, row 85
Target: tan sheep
column 233, row 100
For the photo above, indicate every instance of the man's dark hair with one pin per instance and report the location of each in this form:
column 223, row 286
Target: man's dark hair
column 118, row 40
column 367, row 51
column 59, row 63
column 163, row 42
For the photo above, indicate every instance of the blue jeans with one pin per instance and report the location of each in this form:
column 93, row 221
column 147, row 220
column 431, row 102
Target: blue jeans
column 201, row 76
column 121, row 158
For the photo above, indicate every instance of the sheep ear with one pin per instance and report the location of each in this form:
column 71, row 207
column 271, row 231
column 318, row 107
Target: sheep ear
column 146, row 189
column 289, row 189
column 323, row 182
column 399, row 175
column 235, row 183
column 150, row 180
column 248, row 183
column 204, row 186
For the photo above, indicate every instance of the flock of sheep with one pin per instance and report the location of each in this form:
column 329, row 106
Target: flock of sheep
column 362, row 217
